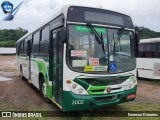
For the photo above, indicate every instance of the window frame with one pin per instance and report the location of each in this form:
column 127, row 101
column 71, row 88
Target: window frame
column 34, row 43
column 47, row 28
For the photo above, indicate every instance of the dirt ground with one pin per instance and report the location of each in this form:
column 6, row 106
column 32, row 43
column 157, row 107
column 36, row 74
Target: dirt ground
column 16, row 94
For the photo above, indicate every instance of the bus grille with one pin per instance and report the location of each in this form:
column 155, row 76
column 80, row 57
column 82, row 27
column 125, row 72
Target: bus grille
column 105, row 99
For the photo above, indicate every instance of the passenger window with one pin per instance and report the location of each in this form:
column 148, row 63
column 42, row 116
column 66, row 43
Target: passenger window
column 35, row 45
column 44, row 43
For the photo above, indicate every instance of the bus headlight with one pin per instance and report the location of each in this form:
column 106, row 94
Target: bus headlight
column 131, row 84
column 76, row 88
column 80, row 90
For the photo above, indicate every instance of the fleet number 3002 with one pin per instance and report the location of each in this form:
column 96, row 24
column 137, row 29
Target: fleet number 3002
column 77, row 102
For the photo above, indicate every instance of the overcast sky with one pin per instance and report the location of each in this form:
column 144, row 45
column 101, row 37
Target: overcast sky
column 33, row 12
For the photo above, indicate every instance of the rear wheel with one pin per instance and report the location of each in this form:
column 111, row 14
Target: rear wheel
column 43, row 90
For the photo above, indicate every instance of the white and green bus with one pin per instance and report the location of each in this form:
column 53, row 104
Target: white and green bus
column 82, row 58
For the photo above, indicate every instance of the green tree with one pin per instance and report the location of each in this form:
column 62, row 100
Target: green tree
column 7, row 43
column 12, row 35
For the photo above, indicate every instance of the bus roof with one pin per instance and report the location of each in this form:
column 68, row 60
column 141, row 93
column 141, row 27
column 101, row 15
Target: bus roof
column 62, row 10
column 150, row 40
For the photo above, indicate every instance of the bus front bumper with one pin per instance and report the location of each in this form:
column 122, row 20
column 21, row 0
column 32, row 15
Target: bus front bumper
column 72, row 102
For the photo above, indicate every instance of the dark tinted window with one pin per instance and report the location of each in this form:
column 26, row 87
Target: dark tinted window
column 98, row 16
column 44, row 43
column 101, row 17
column 18, row 48
column 158, row 47
column 45, row 34
column 151, row 50
column 148, row 50
column 35, row 44
column 158, row 50
column 151, row 47
column 142, row 50
column 36, row 37
column 25, row 47
column 21, row 45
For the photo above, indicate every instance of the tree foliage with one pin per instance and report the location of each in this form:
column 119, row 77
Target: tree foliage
column 8, row 38
column 12, row 35
column 7, row 43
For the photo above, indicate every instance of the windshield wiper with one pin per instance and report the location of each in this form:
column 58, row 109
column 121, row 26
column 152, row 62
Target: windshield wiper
column 98, row 38
column 118, row 36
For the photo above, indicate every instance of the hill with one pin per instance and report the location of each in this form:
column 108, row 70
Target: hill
column 146, row 33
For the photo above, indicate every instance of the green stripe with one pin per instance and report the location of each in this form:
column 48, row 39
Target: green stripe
column 41, row 67
column 96, row 90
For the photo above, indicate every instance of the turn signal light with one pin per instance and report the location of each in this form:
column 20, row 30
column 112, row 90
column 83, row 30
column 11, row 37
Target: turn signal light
column 132, row 96
column 68, row 81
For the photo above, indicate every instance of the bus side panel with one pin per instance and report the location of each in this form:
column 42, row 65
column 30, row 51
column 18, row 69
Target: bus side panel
column 34, row 73
column 19, row 62
column 25, row 67
column 21, row 65
column 148, row 68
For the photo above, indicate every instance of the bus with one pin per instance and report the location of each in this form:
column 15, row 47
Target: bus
column 82, row 58
column 148, row 64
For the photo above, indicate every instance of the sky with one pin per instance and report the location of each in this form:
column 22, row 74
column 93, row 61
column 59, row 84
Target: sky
column 34, row 12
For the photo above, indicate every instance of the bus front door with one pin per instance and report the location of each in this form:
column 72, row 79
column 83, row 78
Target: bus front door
column 57, row 67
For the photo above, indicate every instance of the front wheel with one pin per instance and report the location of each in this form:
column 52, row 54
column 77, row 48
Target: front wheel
column 43, row 90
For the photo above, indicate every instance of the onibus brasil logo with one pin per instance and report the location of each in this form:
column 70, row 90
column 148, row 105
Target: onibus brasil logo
column 9, row 10
column 7, row 7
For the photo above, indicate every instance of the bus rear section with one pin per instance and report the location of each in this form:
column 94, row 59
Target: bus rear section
column 148, row 63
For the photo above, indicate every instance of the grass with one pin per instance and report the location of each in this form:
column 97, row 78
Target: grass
column 154, row 82
column 157, row 82
column 12, row 107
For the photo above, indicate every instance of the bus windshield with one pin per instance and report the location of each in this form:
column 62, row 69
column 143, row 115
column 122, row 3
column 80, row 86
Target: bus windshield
column 85, row 54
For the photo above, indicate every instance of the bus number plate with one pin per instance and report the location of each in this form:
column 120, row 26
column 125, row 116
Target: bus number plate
column 77, row 102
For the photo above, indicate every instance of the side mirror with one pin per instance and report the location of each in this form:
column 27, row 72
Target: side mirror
column 63, row 35
column 136, row 33
column 136, row 40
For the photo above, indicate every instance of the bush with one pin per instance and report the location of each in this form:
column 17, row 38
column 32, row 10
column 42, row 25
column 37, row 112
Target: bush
column 7, row 43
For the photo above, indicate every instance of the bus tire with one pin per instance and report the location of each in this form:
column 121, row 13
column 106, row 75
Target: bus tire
column 42, row 85
column 21, row 73
column 138, row 75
